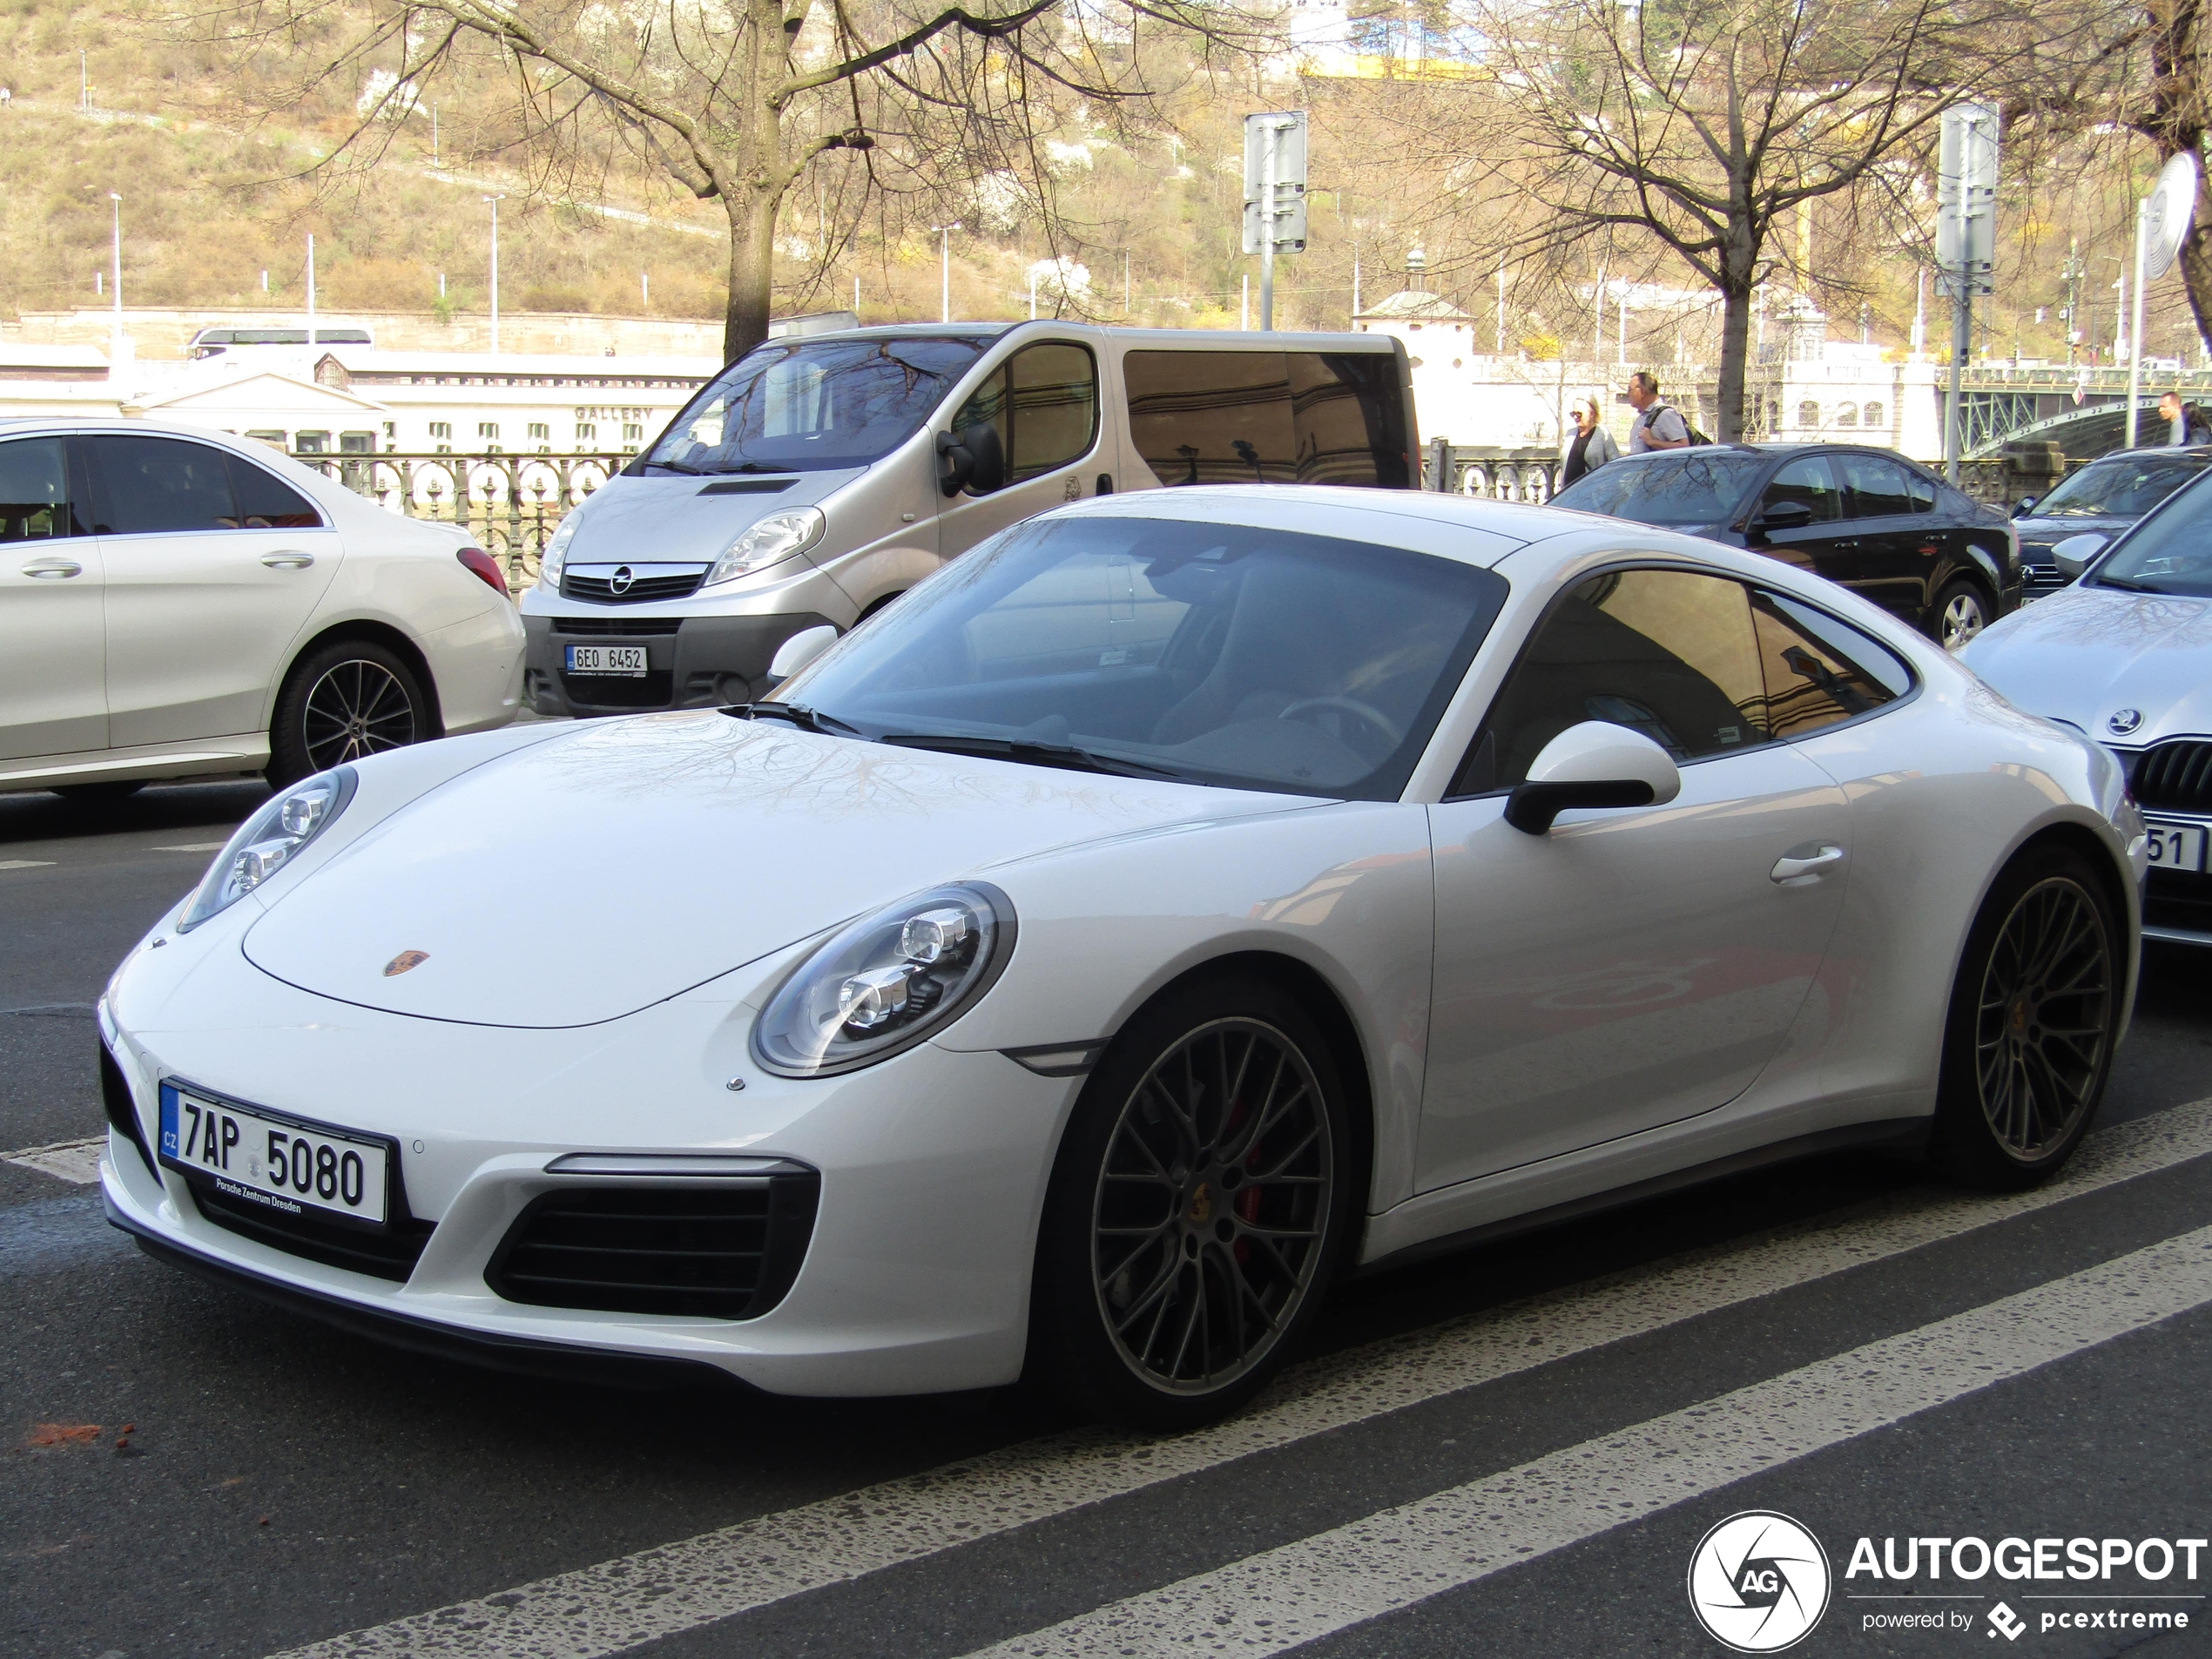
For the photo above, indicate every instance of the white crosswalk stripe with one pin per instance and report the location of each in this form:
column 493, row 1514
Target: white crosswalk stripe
column 1287, row 1597
column 615, row 1605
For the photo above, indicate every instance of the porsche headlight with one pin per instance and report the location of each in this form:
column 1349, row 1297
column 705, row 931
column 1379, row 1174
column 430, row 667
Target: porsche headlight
column 267, row 841
column 555, row 556
column 777, row 536
column 886, row 982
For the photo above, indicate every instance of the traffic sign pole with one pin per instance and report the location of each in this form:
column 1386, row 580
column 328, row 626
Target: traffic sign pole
column 2135, row 330
column 1271, row 140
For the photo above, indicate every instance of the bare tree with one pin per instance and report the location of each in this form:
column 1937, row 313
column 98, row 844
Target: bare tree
column 735, row 100
column 1701, row 126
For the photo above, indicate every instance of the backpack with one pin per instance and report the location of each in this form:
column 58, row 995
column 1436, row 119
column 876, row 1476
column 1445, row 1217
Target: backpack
column 1696, row 436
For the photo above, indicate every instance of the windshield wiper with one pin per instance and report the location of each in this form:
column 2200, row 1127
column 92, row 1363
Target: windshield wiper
column 799, row 714
column 1043, row 754
column 2123, row 583
column 678, row 466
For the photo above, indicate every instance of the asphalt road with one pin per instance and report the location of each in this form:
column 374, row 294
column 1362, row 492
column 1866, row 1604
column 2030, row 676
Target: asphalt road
column 1459, row 1470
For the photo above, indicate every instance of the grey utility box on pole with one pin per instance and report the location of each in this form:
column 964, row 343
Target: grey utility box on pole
column 1966, row 244
column 1274, row 195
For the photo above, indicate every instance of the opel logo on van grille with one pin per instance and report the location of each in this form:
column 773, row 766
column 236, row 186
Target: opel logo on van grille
column 620, row 581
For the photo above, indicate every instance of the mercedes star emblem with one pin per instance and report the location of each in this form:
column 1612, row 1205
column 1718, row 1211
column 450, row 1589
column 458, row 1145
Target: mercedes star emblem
column 620, row 581
column 2124, row 721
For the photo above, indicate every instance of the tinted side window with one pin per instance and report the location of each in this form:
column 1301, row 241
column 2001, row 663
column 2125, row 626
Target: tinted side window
column 1807, row 480
column 265, row 502
column 1668, row 653
column 1923, row 492
column 35, row 502
column 1818, row 671
column 1876, row 487
column 1204, row 417
column 1044, row 402
column 157, row 484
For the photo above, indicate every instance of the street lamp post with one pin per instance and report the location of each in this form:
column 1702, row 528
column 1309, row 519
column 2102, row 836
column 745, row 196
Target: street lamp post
column 944, row 233
column 494, row 201
column 116, row 280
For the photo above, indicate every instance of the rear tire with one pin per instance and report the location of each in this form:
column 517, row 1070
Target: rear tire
column 1962, row 610
column 1200, row 1201
column 2027, row 1046
column 120, row 791
column 343, row 701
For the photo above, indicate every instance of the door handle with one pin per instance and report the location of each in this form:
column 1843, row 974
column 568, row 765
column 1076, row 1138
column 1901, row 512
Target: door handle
column 287, row 561
column 53, row 570
column 1802, row 867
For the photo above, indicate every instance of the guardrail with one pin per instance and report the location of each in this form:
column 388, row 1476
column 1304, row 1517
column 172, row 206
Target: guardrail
column 510, row 503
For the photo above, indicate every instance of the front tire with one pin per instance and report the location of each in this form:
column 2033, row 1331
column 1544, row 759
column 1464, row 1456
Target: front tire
column 1200, row 1198
column 343, row 701
column 1961, row 612
column 2027, row 1046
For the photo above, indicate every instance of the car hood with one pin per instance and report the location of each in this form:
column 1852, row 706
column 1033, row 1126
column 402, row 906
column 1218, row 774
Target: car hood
column 678, row 520
column 2084, row 654
column 591, row 875
column 2041, row 535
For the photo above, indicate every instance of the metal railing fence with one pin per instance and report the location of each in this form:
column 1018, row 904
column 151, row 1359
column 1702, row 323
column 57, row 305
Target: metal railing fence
column 510, row 503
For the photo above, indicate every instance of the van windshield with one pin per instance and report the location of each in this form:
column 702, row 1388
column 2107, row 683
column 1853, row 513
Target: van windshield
column 810, row 405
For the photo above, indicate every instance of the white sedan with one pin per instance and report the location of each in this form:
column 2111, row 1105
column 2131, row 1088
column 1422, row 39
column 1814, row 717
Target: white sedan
column 1181, row 899
column 178, row 603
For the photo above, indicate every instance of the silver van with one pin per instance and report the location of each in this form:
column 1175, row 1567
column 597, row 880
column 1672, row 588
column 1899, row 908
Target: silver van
column 818, row 478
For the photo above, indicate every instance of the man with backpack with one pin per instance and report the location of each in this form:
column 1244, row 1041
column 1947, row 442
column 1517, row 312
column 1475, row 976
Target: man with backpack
column 1657, row 426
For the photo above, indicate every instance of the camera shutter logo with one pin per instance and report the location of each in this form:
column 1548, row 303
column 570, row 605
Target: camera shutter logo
column 1759, row 1582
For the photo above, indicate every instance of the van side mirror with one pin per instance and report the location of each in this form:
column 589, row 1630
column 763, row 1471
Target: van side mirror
column 2024, row 506
column 2072, row 555
column 801, row 649
column 1781, row 516
column 975, row 460
column 1595, row 764
column 981, row 443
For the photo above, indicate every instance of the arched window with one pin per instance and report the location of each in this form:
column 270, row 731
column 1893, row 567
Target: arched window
column 1871, row 414
column 1847, row 415
column 1809, row 413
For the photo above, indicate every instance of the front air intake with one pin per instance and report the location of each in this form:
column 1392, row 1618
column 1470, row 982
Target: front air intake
column 717, row 1248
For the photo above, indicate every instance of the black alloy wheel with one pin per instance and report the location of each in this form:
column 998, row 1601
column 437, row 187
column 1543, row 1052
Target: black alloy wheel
column 1961, row 613
column 1197, row 1207
column 2032, row 1017
column 348, row 700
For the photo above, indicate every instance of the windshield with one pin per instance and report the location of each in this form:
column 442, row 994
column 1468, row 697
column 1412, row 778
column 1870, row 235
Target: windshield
column 808, row 405
column 1702, row 488
column 2170, row 552
column 1209, row 653
column 2124, row 488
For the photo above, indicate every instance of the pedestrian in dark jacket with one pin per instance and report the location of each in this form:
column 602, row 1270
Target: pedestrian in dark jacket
column 1591, row 447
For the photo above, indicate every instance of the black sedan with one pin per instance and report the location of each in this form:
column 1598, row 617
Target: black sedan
column 1867, row 519
column 2102, row 498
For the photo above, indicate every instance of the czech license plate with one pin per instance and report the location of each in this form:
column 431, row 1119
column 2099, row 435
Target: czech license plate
column 628, row 660
column 2176, row 846
column 280, row 1163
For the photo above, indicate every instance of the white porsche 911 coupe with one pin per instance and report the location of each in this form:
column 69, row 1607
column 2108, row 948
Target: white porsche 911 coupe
column 1177, row 901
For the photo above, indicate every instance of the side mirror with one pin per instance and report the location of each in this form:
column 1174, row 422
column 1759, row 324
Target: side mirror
column 1595, row 764
column 1782, row 515
column 2072, row 555
column 801, row 649
column 990, row 472
column 2024, row 506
